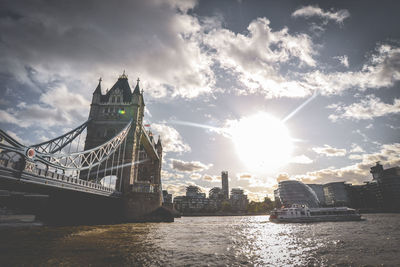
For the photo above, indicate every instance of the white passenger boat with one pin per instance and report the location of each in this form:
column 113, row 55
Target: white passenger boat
column 301, row 213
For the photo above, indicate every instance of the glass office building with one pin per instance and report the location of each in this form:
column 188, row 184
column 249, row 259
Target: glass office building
column 295, row 192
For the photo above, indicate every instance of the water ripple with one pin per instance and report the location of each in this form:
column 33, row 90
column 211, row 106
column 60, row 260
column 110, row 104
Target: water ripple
column 208, row 241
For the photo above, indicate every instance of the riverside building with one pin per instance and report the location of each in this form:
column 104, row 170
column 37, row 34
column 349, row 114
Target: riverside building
column 319, row 191
column 238, row 200
column 291, row 192
column 380, row 194
column 388, row 186
column 194, row 201
column 336, row 194
column 216, row 197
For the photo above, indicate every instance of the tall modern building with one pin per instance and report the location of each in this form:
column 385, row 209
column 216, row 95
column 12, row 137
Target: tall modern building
column 225, row 184
column 295, row 192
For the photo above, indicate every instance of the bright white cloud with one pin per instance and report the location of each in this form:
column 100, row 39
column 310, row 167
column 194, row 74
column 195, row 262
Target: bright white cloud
column 370, row 107
column 344, row 60
column 315, row 11
column 256, row 57
column 329, row 151
column 171, row 139
column 356, row 149
column 382, row 70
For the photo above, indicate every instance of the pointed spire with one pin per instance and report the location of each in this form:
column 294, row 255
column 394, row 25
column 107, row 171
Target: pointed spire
column 123, row 76
column 98, row 88
column 137, row 89
column 159, row 140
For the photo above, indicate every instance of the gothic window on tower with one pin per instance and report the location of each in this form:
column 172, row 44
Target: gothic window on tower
column 105, row 110
column 118, row 99
column 113, row 99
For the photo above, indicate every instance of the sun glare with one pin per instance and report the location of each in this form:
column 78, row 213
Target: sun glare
column 262, row 142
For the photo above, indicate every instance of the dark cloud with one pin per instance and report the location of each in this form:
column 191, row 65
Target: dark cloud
column 244, row 176
column 211, row 178
column 192, row 166
column 66, row 40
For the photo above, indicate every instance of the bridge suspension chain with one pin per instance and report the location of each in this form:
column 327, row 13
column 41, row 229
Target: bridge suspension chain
column 58, row 143
column 88, row 159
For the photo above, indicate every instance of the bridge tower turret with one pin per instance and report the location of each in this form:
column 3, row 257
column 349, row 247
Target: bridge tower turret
column 109, row 113
column 159, row 152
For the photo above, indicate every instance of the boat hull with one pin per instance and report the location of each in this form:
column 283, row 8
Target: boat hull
column 317, row 219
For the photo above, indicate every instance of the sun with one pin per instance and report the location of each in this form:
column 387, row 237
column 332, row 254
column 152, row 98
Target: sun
column 262, row 142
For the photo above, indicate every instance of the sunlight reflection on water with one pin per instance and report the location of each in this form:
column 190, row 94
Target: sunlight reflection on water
column 208, row 241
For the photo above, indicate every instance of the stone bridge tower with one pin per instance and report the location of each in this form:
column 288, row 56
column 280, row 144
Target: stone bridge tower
column 109, row 114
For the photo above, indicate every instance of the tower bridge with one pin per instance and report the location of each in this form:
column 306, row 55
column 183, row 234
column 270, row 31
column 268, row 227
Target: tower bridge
column 107, row 169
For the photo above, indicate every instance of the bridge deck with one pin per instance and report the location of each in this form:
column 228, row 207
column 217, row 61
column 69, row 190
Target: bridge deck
column 56, row 180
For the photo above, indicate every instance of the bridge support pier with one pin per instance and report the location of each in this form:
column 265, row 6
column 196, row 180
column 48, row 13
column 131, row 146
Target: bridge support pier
column 145, row 207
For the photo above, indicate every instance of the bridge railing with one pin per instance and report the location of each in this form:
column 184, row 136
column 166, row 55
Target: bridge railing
column 47, row 174
column 53, row 161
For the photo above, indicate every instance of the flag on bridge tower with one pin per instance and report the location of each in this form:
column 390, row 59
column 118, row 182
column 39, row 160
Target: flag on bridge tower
column 147, row 125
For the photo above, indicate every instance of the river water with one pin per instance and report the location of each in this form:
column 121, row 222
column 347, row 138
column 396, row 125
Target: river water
column 208, row 241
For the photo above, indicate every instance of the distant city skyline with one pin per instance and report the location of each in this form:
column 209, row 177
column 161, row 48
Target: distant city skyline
column 266, row 90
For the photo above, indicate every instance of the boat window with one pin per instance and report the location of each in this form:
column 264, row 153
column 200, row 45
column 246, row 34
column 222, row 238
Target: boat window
column 302, row 213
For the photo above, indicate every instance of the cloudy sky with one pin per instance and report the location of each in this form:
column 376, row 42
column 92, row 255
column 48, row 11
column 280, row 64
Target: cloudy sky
column 213, row 74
